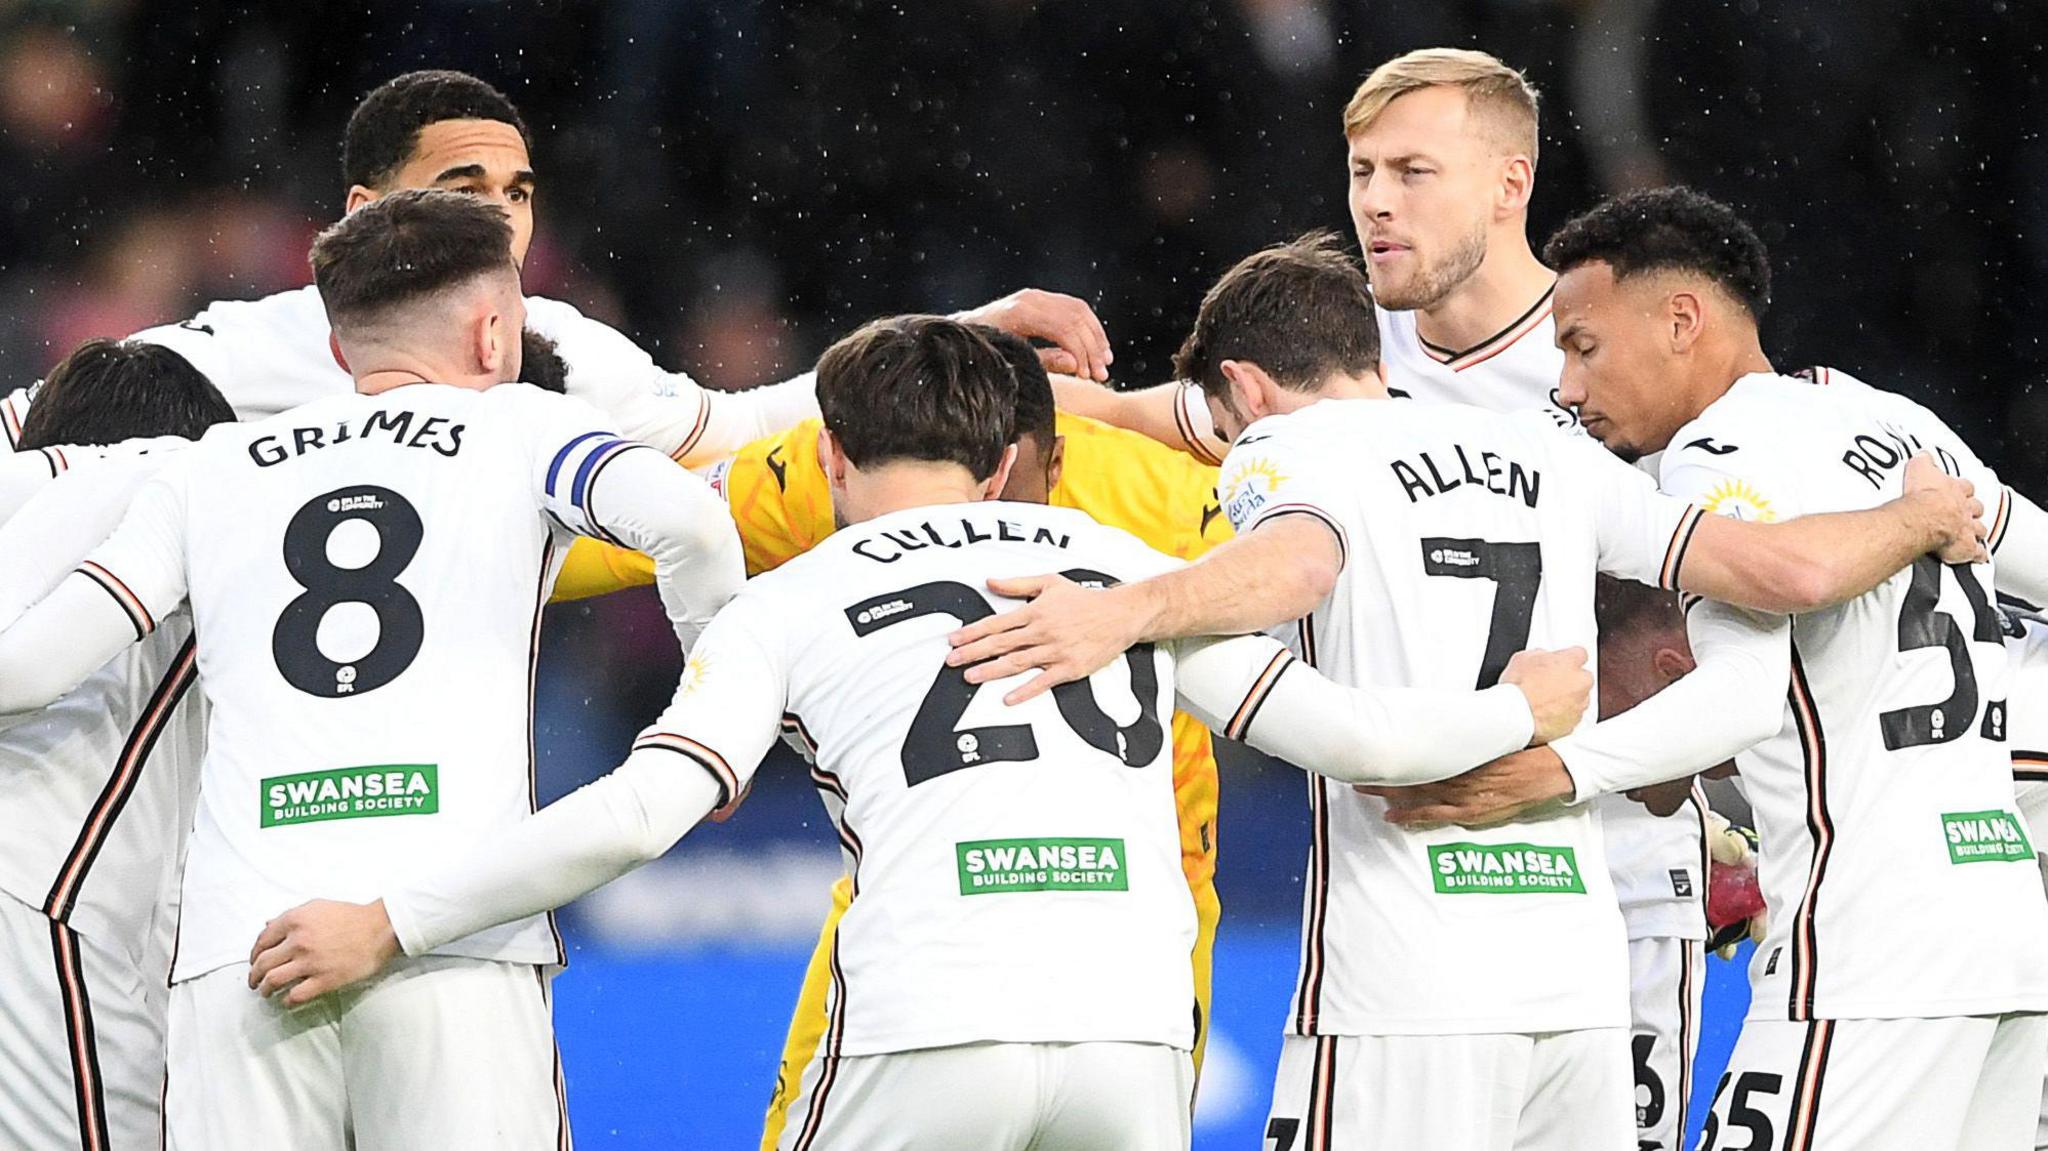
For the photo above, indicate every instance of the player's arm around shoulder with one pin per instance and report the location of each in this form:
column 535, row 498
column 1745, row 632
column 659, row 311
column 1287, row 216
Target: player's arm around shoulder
column 1756, row 549
column 1284, row 561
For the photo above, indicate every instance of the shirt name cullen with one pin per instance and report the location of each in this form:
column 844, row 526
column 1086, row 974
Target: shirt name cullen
column 1501, row 476
column 889, row 546
column 434, row 432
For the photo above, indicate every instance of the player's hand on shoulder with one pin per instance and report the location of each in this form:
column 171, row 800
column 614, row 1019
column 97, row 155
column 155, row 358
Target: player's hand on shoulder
column 1557, row 686
column 1952, row 503
column 1067, row 632
column 1080, row 345
column 321, row 946
column 1506, row 789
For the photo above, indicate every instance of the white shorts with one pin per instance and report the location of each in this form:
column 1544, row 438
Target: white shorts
column 1666, row 976
column 453, row 1054
column 81, row 1039
column 1970, row 1083
column 997, row 1097
column 1564, row 1091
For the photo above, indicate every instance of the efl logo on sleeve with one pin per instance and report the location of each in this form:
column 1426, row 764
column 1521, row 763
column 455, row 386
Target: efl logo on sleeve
column 1504, row 869
column 350, row 793
column 1985, row 837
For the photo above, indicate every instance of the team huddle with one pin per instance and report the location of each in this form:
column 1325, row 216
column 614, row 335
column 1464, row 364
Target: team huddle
column 275, row 874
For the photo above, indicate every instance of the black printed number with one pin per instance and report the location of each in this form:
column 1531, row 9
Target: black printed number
column 1517, row 569
column 294, row 643
column 1280, row 1133
column 1923, row 624
column 936, row 745
column 1649, row 1085
column 1741, row 1114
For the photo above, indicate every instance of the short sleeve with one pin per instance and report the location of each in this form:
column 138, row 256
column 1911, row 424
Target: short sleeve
column 142, row 565
column 727, row 710
column 1267, row 475
column 13, row 410
column 1641, row 533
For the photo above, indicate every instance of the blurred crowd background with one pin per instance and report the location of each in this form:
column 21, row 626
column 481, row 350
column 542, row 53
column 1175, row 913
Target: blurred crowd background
column 733, row 182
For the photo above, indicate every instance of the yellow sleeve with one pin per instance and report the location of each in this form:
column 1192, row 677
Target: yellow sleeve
column 1129, row 481
column 594, row 568
column 776, row 489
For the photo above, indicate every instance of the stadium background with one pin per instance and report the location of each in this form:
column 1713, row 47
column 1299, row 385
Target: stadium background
column 734, row 181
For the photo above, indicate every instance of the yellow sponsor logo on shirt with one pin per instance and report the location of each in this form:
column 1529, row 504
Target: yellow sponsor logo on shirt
column 1737, row 499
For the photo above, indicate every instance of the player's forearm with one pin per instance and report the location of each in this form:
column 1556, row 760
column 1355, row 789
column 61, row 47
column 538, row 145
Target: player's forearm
column 682, row 525
column 1808, row 563
column 1731, row 701
column 2020, row 549
column 53, row 646
column 1161, row 412
column 736, row 419
column 1275, row 573
column 565, row 850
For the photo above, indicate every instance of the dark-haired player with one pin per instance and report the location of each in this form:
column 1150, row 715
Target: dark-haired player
column 107, row 392
column 1873, row 734
column 95, row 790
column 368, row 572
column 781, row 501
column 1012, row 971
column 450, row 130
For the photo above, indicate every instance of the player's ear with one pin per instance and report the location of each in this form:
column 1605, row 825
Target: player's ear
column 993, row 489
column 1055, row 462
column 832, row 459
column 1517, row 184
column 358, row 195
column 1686, row 314
column 1247, row 387
column 1671, row 664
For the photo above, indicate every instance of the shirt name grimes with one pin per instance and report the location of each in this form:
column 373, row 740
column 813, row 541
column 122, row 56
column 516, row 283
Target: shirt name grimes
column 434, row 432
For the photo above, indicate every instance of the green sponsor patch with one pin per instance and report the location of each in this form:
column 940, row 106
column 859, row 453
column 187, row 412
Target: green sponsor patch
column 1504, row 869
column 988, row 866
column 350, row 793
column 1985, row 837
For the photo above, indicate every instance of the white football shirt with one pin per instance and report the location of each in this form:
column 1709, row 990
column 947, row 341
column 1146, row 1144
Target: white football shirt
column 273, row 354
column 1889, row 783
column 368, row 574
column 1654, row 861
column 1016, row 871
column 96, row 790
column 1467, row 536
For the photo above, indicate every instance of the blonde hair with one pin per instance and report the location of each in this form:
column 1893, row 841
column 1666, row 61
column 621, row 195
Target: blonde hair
column 1492, row 89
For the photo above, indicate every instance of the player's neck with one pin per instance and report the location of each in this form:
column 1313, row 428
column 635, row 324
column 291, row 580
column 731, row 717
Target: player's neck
column 1336, row 386
column 896, row 487
column 1507, row 284
column 371, row 381
column 1717, row 370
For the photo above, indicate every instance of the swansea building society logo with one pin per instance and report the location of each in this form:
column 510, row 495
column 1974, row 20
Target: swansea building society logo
column 1985, row 837
column 992, row 866
column 1504, row 869
column 350, row 793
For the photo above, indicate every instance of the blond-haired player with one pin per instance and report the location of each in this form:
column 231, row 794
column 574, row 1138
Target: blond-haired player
column 782, row 503
column 1442, row 147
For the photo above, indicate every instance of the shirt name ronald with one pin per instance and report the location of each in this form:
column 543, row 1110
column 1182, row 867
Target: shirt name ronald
column 889, row 546
column 434, row 432
column 1433, row 475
